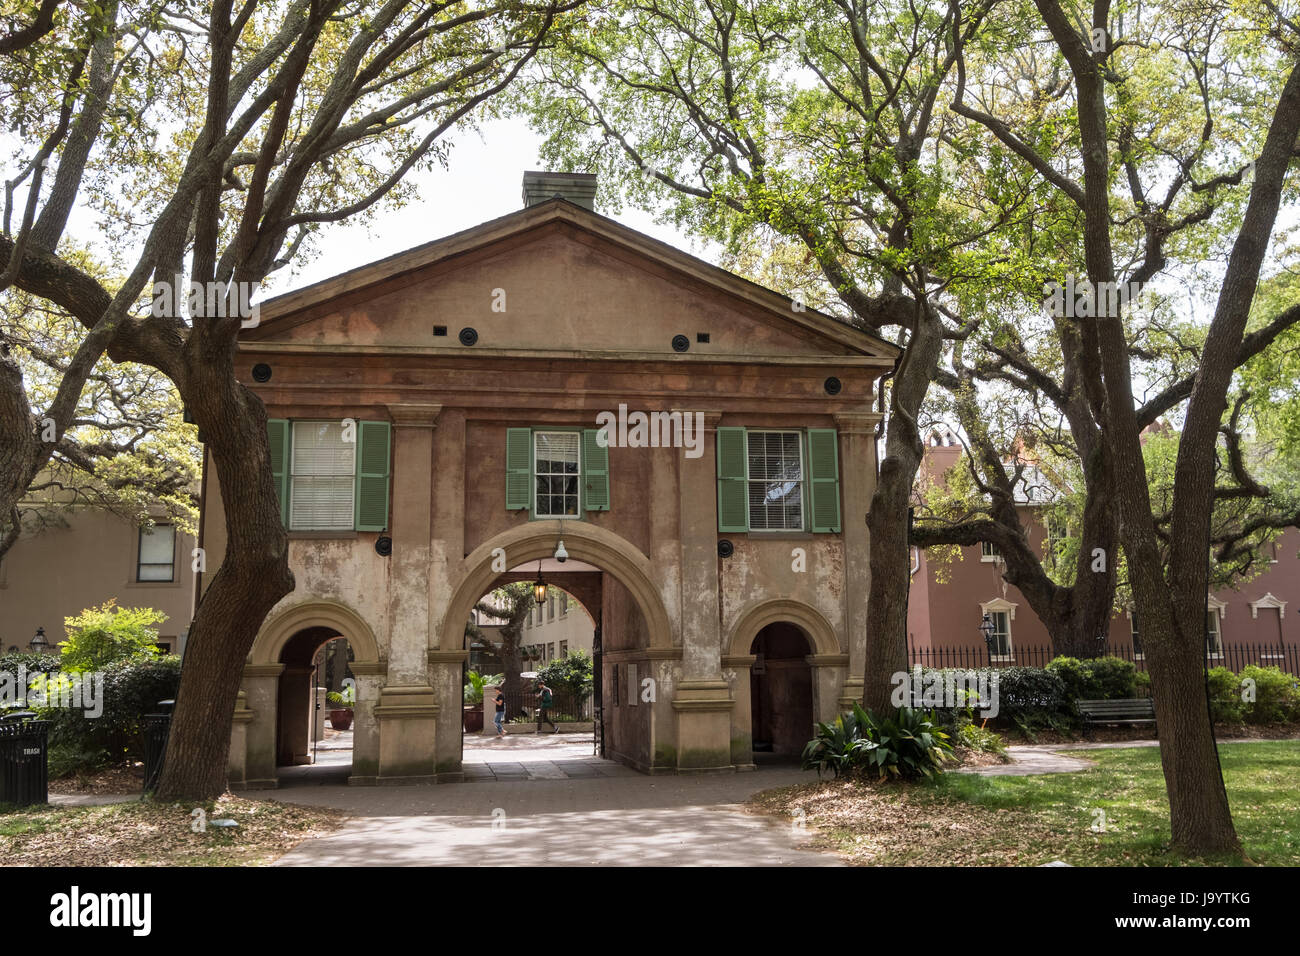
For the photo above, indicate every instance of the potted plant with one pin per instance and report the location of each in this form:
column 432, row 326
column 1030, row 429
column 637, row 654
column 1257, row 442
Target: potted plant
column 341, row 715
column 473, row 715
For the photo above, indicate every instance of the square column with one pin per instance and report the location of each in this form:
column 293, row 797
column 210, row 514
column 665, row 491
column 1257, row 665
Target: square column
column 858, row 467
column 411, row 524
column 261, row 696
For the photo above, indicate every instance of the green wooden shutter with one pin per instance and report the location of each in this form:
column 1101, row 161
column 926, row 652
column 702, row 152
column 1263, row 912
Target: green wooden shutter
column 595, row 472
column 824, row 478
column 277, row 433
column 733, row 488
column 373, row 447
column 519, row 468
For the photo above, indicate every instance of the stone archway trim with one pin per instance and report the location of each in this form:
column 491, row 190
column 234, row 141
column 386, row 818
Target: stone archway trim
column 276, row 632
column 584, row 542
column 811, row 621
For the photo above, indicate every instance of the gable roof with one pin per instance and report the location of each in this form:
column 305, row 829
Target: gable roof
column 279, row 311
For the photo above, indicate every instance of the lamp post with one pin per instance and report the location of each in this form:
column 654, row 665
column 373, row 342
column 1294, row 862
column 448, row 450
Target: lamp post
column 38, row 644
column 986, row 628
column 539, row 586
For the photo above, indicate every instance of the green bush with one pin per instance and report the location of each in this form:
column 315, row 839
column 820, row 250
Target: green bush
column 1226, row 704
column 571, row 674
column 131, row 689
column 1277, row 697
column 979, row 739
column 906, row 745
column 103, row 635
column 1101, row 678
column 16, row 662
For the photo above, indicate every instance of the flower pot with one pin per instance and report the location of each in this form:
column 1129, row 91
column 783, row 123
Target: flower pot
column 473, row 719
column 340, row 719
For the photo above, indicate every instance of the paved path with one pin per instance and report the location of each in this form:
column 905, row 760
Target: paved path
column 1027, row 761
column 607, row 820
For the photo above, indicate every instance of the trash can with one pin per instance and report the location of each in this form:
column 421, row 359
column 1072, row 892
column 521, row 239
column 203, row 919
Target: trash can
column 24, row 759
column 156, row 728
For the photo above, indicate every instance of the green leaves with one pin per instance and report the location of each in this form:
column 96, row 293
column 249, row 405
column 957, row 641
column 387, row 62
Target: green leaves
column 905, row 745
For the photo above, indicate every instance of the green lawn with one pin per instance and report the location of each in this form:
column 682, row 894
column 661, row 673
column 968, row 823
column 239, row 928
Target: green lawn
column 1026, row 821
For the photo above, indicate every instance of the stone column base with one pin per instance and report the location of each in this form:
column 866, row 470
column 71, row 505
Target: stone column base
column 408, row 722
column 703, row 710
column 237, row 760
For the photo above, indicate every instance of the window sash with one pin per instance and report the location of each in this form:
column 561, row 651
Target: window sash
column 1213, row 635
column 776, row 496
column 156, row 560
column 1001, row 634
column 322, row 478
column 557, row 474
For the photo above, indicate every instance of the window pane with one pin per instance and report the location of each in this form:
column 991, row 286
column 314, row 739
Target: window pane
column 775, row 481
column 319, row 449
column 322, row 485
column 321, row 504
column 157, row 544
column 555, row 456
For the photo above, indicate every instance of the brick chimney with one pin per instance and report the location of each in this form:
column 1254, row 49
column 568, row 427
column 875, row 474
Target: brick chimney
column 577, row 188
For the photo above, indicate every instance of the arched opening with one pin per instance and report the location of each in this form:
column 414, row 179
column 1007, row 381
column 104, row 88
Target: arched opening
column 575, row 651
column 780, row 692
column 315, row 695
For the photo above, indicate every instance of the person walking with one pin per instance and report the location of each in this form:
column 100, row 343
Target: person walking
column 501, row 713
column 543, row 715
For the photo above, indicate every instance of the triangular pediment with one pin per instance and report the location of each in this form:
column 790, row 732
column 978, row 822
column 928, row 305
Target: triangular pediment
column 558, row 279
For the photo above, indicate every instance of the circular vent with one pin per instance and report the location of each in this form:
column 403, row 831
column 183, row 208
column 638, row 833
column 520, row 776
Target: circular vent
column 681, row 343
column 261, row 372
column 384, row 546
column 833, row 386
column 468, row 336
column 725, row 548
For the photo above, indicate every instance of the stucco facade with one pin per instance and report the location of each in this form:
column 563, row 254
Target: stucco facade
column 92, row 558
column 573, row 316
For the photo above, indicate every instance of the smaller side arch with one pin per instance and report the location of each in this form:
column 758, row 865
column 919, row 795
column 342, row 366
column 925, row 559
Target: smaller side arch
column 762, row 613
column 276, row 632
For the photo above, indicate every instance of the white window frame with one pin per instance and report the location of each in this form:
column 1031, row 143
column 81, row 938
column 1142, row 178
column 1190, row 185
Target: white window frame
column 995, row 607
column 990, row 552
column 293, row 478
column 536, row 511
column 1214, row 612
column 139, row 554
column 802, row 436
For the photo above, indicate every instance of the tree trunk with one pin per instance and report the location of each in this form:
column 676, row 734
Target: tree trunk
column 891, row 566
column 253, row 576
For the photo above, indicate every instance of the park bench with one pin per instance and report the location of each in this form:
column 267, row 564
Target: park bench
column 1127, row 710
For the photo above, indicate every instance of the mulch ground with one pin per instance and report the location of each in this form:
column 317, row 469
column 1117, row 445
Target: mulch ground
column 127, row 777
column 151, row 834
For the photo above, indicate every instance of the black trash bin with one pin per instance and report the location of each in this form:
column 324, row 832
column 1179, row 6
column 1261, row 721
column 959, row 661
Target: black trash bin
column 156, row 728
column 24, row 759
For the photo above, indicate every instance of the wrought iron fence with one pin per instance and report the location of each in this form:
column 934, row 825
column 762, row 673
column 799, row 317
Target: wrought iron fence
column 1233, row 656
column 524, row 706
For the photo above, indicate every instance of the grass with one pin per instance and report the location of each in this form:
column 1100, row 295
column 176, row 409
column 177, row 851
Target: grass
column 152, row 834
column 964, row 819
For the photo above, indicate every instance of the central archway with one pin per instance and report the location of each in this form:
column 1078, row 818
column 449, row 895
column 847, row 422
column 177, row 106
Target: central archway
column 633, row 611
column 587, row 543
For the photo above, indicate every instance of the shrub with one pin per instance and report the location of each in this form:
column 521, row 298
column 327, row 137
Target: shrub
column 131, row 690
column 103, row 635
column 571, row 675
column 16, row 662
column 906, row 745
column 1101, row 678
column 979, row 739
column 1226, row 704
column 839, row 746
column 1277, row 697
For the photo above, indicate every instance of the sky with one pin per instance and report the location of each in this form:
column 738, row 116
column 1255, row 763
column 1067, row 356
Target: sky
column 483, row 181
